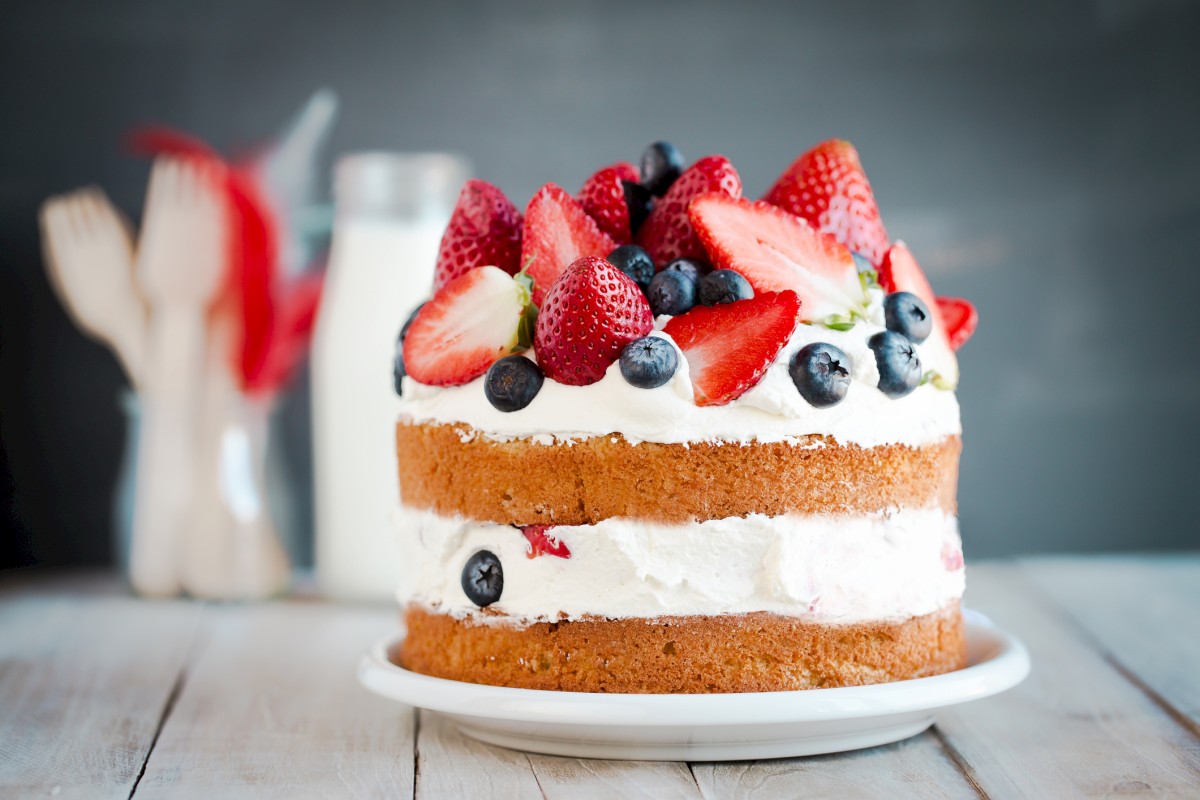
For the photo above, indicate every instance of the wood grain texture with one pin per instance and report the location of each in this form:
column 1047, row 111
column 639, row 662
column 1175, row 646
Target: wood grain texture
column 1143, row 612
column 917, row 768
column 1076, row 727
column 270, row 708
column 451, row 766
column 84, row 681
column 597, row 779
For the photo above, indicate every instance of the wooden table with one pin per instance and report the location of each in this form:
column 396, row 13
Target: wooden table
column 103, row 695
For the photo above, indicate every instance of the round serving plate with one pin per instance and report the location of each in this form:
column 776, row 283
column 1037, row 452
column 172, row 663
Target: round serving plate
column 704, row 727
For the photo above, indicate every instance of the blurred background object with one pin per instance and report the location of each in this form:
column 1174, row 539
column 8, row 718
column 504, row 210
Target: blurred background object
column 1039, row 158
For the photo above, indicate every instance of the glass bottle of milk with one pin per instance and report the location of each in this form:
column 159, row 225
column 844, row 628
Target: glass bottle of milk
column 391, row 209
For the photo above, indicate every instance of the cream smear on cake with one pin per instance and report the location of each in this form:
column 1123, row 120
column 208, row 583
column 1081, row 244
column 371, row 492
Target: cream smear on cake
column 771, row 411
column 831, row 569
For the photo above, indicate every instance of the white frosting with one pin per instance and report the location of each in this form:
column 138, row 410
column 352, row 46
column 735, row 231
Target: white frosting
column 771, row 411
column 822, row 568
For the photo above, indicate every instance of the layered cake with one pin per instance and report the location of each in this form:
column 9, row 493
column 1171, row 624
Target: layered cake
column 658, row 437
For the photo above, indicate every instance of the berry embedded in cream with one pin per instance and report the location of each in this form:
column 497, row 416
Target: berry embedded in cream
column 687, row 442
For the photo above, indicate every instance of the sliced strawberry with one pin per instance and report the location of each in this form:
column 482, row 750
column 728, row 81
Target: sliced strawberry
column 775, row 250
column 900, row 272
column 590, row 313
column 960, row 317
column 558, row 232
column 603, row 198
column 827, row 187
column 484, row 230
column 543, row 543
column 667, row 233
column 470, row 324
column 729, row 347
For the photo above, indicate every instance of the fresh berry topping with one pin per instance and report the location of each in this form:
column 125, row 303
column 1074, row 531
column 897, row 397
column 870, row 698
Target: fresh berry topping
column 649, row 362
column 634, row 262
column 960, row 317
column 904, row 312
column 899, row 366
column 729, row 347
column 827, row 187
column 724, row 286
column 408, row 322
column 775, row 250
column 558, row 232
column 512, row 383
column 692, row 267
column 543, row 543
column 588, row 316
column 671, row 293
column 662, row 164
column 483, row 578
column 821, row 373
column 900, row 272
column 474, row 321
column 603, row 198
column 668, row 234
column 484, row 230
column 398, row 366
column 640, row 202
column 863, row 264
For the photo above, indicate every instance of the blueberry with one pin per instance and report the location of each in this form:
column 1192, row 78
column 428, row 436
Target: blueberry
column 512, row 383
column 634, row 262
column 662, row 163
column 398, row 372
column 693, row 268
column 649, row 362
column 821, row 373
column 408, row 322
column 671, row 293
column 724, row 286
column 899, row 366
column 483, row 578
column 906, row 313
column 640, row 201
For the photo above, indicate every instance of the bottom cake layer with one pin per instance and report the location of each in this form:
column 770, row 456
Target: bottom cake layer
column 756, row 652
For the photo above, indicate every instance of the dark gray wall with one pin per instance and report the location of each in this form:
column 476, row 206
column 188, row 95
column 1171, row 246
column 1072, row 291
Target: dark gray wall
column 1041, row 159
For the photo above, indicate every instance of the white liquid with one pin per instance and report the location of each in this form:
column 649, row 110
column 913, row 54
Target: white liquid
column 379, row 270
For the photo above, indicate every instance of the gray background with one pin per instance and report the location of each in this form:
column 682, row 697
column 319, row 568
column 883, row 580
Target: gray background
column 1041, row 159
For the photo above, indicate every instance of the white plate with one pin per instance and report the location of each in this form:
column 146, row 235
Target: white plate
column 705, row 727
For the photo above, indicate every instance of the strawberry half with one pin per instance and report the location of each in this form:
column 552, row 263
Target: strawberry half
column 603, row 198
column 558, row 232
column 827, row 187
column 900, row 272
column 667, row 233
column 541, row 543
column 484, row 230
column 474, row 321
column 590, row 313
column 960, row 317
column 775, row 250
column 729, row 347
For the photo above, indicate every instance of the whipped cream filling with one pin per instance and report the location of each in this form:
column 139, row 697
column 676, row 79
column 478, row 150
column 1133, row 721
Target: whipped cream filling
column 771, row 411
column 821, row 568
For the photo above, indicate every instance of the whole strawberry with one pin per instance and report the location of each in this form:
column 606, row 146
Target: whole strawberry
column 667, row 233
column 603, row 198
column 827, row 187
column 484, row 230
column 590, row 313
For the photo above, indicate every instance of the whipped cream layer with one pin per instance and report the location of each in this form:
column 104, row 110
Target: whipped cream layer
column 823, row 568
column 771, row 411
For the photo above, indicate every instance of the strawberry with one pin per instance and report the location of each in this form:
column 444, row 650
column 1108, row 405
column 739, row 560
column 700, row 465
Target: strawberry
column 667, row 233
column 484, row 230
column 900, row 272
column 775, row 250
column 729, row 347
column 827, row 187
column 474, row 321
column 557, row 233
column 603, row 198
column 590, row 313
column 542, row 543
column 960, row 318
